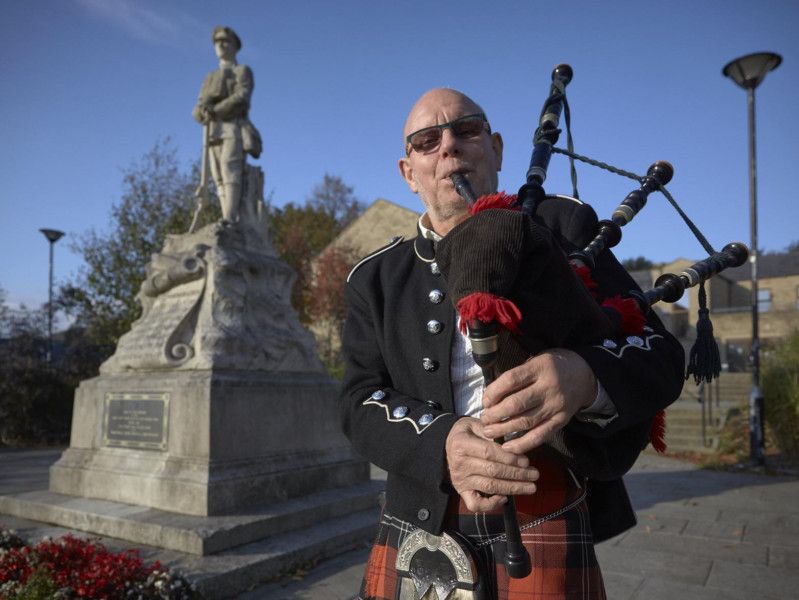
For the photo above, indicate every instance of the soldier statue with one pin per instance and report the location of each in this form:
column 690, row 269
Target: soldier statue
column 223, row 108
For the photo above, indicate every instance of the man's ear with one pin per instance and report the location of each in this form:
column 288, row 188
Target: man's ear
column 497, row 144
column 406, row 170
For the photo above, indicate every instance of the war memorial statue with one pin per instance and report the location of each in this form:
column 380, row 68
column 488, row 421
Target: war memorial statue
column 215, row 405
column 228, row 135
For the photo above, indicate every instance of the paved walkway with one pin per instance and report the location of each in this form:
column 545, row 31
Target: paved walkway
column 702, row 535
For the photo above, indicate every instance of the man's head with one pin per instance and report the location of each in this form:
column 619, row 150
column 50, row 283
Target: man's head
column 226, row 42
column 475, row 152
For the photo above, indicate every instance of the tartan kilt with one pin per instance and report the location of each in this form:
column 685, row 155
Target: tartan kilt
column 555, row 530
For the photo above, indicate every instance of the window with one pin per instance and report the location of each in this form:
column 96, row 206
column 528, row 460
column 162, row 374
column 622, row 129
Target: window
column 763, row 300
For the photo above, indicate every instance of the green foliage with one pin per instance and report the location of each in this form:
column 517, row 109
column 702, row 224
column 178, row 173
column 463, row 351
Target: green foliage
column 35, row 397
column 39, row 586
column 638, row 263
column 158, row 199
column 780, row 383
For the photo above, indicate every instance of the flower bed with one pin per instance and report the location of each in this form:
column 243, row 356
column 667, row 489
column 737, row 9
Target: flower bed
column 72, row 567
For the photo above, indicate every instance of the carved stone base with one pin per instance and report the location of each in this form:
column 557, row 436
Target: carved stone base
column 205, row 442
column 218, row 298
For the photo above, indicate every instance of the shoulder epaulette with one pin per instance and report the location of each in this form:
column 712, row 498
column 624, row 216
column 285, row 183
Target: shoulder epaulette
column 394, row 242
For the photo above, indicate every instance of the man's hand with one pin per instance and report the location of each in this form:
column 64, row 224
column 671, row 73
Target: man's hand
column 207, row 113
column 481, row 471
column 538, row 397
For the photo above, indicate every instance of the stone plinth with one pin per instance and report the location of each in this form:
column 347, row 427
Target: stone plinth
column 231, row 440
column 215, row 400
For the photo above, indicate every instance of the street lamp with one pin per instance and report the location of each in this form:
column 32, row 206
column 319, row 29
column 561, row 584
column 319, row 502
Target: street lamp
column 52, row 235
column 748, row 71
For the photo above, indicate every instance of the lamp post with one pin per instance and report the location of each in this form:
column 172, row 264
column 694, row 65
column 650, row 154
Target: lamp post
column 747, row 72
column 52, row 235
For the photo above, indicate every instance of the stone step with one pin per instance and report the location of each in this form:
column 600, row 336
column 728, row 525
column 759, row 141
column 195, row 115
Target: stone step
column 691, row 429
column 267, row 559
column 189, row 533
column 682, row 420
column 690, row 444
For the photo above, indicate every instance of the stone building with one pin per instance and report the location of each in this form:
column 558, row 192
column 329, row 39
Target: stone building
column 378, row 224
column 729, row 300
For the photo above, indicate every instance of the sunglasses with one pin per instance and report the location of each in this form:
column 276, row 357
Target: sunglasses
column 428, row 139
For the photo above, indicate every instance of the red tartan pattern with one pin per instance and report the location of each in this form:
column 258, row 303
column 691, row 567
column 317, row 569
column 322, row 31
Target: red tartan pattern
column 561, row 547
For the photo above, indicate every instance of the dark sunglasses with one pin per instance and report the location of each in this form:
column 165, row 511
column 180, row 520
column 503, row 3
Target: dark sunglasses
column 428, row 139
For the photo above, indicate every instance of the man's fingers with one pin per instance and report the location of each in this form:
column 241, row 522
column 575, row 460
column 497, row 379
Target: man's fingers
column 509, row 382
column 537, row 436
column 492, row 487
column 477, row 503
column 512, row 405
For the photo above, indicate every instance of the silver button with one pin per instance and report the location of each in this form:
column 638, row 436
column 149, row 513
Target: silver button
column 399, row 412
column 610, row 344
column 434, row 326
column 434, row 268
column 425, row 419
column 635, row 340
column 429, row 364
column 378, row 395
column 436, row 296
column 423, row 514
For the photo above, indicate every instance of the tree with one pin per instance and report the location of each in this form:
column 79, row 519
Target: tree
column 300, row 233
column 335, row 198
column 639, row 263
column 35, row 398
column 157, row 199
column 325, row 302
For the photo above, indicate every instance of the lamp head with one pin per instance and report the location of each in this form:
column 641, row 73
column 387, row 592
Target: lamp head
column 748, row 71
column 52, row 235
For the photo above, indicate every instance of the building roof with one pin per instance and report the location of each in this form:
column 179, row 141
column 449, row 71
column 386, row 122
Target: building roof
column 780, row 264
column 378, row 224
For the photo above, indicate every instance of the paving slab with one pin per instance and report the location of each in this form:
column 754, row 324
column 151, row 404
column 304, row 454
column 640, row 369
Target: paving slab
column 645, row 563
column 654, row 588
column 728, row 530
column 784, row 557
column 758, row 582
column 620, row 586
column 697, row 547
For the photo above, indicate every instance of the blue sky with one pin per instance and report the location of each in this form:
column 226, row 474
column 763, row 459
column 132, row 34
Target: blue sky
column 90, row 85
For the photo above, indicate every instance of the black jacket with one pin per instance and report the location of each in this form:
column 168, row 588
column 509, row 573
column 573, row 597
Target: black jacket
column 397, row 398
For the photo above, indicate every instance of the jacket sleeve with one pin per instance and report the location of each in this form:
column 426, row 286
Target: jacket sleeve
column 643, row 373
column 396, row 432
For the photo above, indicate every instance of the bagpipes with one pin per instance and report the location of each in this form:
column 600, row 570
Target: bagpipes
column 517, row 293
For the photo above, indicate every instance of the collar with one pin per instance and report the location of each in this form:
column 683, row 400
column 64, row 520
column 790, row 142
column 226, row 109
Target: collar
column 426, row 229
column 425, row 243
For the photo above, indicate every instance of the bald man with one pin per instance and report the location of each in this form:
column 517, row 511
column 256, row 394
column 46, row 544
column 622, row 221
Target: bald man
column 415, row 404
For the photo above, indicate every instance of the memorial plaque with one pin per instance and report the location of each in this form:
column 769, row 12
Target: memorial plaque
column 136, row 420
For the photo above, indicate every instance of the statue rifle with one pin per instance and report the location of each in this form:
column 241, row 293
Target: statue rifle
column 201, row 193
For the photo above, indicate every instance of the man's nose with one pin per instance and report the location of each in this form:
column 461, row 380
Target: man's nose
column 450, row 144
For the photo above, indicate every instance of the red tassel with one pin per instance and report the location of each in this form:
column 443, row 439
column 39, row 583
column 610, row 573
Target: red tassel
column 584, row 273
column 486, row 307
column 498, row 200
column 632, row 319
column 657, row 434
